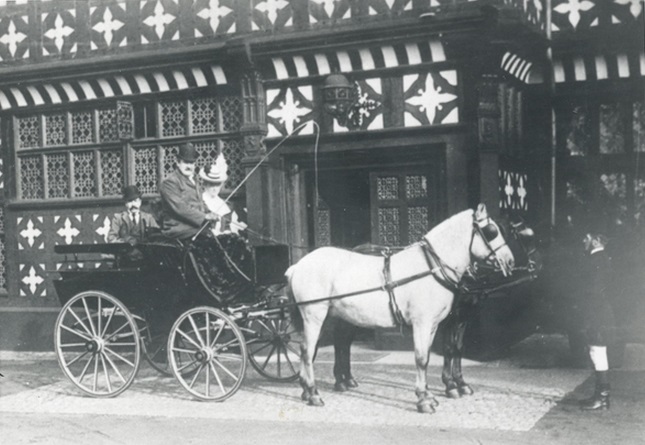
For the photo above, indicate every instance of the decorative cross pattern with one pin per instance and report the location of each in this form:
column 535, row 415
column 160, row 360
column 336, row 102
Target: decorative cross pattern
column 103, row 229
column 59, row 35
column 431, row 98
column 107, row 24
column 325, row 10
column 573, row 10
column 31, row 233
column 160, row 18
column 214, row 17
column 288, row 108
column 68, row 232
column 271, row 14
column 375, row 7
column 513, row 190
column 14, row 31
column 32, row 279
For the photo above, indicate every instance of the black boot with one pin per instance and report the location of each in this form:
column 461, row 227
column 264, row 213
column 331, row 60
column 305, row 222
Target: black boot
column 599, row 401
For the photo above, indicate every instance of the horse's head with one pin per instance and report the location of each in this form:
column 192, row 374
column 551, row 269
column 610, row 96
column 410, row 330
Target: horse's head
column 489, row 244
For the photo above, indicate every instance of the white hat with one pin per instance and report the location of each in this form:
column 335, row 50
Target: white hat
column 217, row 172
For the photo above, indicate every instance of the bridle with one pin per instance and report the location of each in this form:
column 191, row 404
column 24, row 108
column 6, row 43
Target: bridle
column 490, row 233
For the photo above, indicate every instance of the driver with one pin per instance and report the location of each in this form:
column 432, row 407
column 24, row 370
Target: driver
column 183, row 209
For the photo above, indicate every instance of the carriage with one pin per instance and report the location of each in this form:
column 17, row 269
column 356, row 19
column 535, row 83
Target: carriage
column 159, row 301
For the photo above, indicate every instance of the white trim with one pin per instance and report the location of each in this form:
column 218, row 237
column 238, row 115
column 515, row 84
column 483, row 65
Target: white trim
column 124, row 85
column 53, row 94
column 144, row 87
column 280, row 68
column 198, row 75
column 35, row 95
column 105, row 87
column 218, row 72
column 17, row 94
column 87, row 89
column 162, row 83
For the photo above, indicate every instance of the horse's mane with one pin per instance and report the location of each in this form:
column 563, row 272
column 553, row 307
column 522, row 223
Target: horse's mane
column 446, row 228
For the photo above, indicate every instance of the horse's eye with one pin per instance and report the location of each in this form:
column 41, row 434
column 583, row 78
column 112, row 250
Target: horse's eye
column 490, row 232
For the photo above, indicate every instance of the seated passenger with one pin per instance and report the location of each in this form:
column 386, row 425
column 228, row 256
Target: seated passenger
column 213, row 177
column 130, row 226
column 184, row 212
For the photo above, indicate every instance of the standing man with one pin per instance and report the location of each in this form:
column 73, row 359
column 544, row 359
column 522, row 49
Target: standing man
column 130, row 226
column 599, row 317
column 181, row 196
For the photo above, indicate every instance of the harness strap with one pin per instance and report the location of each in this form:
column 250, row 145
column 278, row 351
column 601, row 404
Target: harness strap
column 388, row 286
column 438, row 268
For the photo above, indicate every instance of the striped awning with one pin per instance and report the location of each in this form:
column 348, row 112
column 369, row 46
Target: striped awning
column 599, row 67
column 520, row 68
column 351, row 60
column 578, row 68
column 113, row 85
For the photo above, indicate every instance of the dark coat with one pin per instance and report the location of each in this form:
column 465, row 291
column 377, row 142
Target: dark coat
column 183, row 209
column 595, row 300
column 123, row 230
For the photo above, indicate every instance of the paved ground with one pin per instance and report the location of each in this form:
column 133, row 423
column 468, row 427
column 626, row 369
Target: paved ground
column 529, row 398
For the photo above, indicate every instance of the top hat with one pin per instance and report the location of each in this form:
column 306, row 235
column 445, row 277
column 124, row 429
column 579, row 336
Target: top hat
column 130, row 193
column 187, row 153
column 215, row 173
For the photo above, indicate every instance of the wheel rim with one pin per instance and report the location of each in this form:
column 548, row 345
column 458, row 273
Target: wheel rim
column 273, row 344
column 97, row 344
column 207, row 354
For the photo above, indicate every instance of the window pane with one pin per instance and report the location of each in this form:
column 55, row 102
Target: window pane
column 579, row 132
column 31, row 177
column 112, row 172
column 82, row 128
column 28, row 132
column 84, row 174
column 204, row 115
column 55, row 129
column 614, row 202
column 173, row 118
column 145, row 169
column 639, row 126
column 639, row 201
column 57, row 175
column 612, row 129
column 107, row 125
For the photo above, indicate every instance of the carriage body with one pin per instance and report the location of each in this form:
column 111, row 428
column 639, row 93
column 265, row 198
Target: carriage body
column 176, row 307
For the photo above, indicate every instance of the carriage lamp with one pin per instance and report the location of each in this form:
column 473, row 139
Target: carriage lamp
column 338, row 97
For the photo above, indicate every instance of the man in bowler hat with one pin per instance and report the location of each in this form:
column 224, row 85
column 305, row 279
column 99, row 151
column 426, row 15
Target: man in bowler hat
column 130, row 225
column 184, row 212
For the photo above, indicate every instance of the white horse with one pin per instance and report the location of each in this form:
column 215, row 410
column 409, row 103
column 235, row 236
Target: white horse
column 422, row 278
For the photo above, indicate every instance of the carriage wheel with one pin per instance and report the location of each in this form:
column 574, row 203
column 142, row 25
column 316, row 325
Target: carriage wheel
column 154, row 347
column 207, row 353
column 97, row 344
column 274, row 344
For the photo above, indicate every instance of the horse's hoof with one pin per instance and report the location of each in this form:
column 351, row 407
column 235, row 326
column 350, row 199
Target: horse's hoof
column 304, row 396
column 351, row 383
column 453, row 393
column 425, row 407
column 466, row 390
column 434, row 402
column 340, row 387
column 316, row 401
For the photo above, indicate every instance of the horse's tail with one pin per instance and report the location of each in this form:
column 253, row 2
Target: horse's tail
column 296, row 316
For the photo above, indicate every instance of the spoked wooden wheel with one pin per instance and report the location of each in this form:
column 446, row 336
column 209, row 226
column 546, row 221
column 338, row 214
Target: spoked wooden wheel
column 154, row 346
column 274, row 346
column 207, row 353
column 97, row 344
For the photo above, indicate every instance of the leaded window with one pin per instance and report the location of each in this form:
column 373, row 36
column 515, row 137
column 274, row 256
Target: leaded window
column 76, row 154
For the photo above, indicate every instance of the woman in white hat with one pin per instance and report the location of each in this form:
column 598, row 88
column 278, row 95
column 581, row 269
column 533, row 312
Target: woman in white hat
column 213, row 178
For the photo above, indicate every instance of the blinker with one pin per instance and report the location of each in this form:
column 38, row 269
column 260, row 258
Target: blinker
column 490, row 232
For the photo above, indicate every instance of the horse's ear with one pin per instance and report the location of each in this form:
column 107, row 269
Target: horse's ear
column 481, row 212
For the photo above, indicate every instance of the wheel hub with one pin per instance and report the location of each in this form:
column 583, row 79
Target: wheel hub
column 95, row 345
column 204, row 355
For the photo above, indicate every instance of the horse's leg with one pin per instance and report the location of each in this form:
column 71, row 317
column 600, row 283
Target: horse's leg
column 423, row 335
column 311, row 332
column 450, row 354
column 343, row 337
column 464, row 316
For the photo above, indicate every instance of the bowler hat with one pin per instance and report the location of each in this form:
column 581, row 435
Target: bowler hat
column 188, row 153
column 130, row 193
